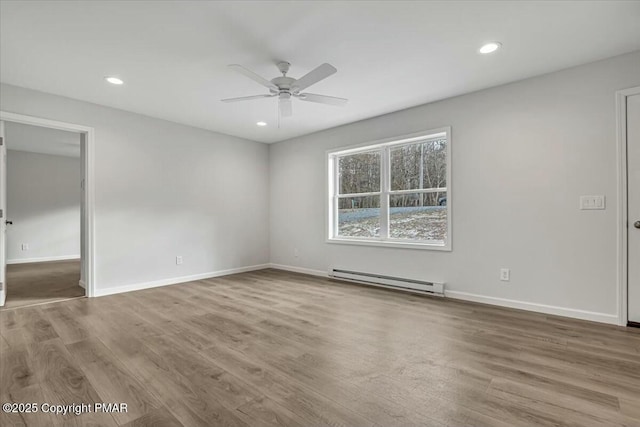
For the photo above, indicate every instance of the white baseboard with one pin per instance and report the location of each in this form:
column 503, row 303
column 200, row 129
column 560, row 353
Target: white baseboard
column 176, row 280
column 522, row 305
column 299, row 270
column 539, row 308
column 42, row 259
column 502, row 302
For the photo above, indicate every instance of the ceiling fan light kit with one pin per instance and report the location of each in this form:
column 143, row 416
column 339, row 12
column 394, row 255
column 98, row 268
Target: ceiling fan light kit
column 287, row 88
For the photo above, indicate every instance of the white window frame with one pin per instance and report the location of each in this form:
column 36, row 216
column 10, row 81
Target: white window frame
column 384, row 146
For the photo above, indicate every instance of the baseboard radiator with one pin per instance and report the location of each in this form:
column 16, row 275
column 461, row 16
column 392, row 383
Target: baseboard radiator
column 410, row 285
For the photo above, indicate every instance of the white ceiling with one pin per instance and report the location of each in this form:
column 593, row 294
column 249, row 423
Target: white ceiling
column 389, row 55
column 35, row 139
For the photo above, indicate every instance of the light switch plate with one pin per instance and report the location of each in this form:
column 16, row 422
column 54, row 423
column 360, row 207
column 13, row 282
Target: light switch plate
column 592, row 203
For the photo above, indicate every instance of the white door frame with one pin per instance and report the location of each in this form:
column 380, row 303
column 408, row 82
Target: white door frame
column 87, row 133
column 3, row 217
column 623, row 256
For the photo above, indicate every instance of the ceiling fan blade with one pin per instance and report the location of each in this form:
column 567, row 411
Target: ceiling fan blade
column 285, row 107
column 253, row 76
column 314, row 76
column 246, row 98
column 322, row 99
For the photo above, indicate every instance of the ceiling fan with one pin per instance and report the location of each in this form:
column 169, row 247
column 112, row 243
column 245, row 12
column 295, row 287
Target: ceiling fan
column 286, row 88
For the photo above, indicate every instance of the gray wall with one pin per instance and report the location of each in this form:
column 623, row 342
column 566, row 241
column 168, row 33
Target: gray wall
column 43, row 201
column 523, row 153
column 163, row 190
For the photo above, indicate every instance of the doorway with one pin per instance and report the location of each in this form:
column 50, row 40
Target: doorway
column 629, row 149
column 60, row 264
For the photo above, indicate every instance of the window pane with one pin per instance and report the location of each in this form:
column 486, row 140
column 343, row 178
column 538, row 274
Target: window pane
column 421, row 165
column 434, row 172
column 418, row 216
column 359, row 173
column 359, row 216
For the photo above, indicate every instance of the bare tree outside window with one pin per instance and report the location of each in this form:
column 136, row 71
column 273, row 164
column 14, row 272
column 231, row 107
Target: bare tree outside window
column 420, row 215
column 395, row 192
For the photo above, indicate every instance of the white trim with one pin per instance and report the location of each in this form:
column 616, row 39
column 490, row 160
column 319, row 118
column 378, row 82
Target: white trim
column 417, row 190
column 37, row 121
column 89, row 186
column 42, row 259
column 3, row 224
column 385, row 186
column 501, row 302
column 82, row 284
column 299, row 270
column 394, row 140
column 621, row 138
column 539, row 308
column 383, row 146
column 389, row 243
column 176, row 280
column 352, row 195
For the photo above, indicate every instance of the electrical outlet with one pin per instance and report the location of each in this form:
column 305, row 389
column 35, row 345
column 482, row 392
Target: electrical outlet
column 25, row 246
column 179, row 260
column 504, row 274
column 296, row 254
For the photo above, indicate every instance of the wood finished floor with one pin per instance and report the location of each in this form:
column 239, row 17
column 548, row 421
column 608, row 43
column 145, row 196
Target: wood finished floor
column 272, row 348
column 42, row 282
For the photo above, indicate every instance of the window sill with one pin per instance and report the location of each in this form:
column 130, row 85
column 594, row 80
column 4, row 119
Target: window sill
column 392, row 244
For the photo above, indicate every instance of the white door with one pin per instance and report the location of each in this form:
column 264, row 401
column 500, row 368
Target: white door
column 633, row 191
column 3, row 216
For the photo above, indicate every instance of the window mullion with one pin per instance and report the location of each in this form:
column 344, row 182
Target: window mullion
column 423, row 191
column 336, row 186
column 384, row 195
column 424, row 225
column 351, row 195
column 337, row 192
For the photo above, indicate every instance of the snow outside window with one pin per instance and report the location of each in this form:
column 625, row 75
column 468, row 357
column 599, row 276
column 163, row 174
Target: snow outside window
column 392, row 193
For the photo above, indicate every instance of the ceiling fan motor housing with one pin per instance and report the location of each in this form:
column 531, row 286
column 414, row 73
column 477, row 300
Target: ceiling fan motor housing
column 286, row 88
column 283, row 83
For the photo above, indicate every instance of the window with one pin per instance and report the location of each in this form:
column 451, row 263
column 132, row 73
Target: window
column 392, row 193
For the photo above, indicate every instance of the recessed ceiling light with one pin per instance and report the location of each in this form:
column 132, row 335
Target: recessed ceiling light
column 114, row 80
column 261, row 123
column 490, row 47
